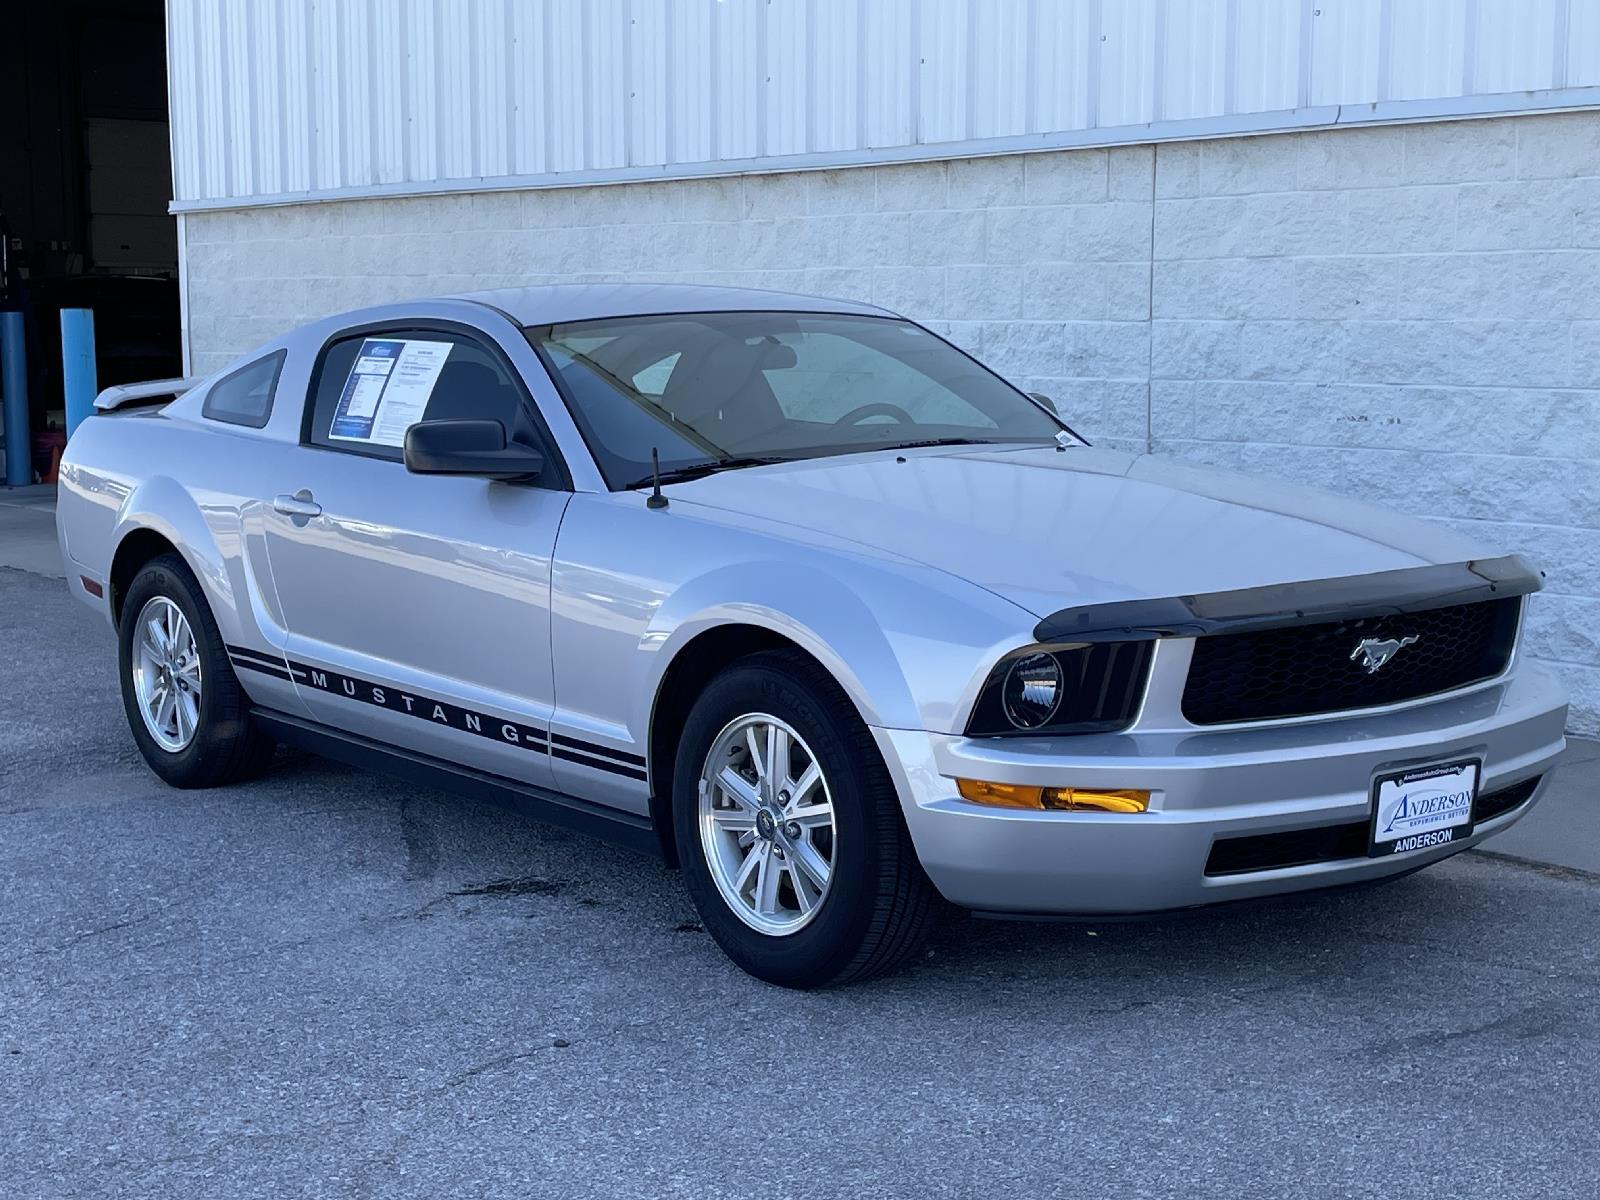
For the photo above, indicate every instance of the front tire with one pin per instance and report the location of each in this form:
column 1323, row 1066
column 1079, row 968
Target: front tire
column 789, row 830
column 188, row 714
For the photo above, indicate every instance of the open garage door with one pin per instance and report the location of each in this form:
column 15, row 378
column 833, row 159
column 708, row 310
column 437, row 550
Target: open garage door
column 85, row 184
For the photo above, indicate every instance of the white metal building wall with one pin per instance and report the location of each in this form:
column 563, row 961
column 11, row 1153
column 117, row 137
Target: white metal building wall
column 280, row 100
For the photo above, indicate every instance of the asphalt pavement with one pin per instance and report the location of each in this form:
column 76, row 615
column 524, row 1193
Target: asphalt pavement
column 325, row 983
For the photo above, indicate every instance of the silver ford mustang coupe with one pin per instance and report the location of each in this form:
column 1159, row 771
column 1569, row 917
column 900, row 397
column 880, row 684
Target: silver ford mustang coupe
column 797, row 595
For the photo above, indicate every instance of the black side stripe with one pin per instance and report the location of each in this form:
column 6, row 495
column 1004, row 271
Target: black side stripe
column 599, row 764
column 263, row 668
column 258, row 655
column 597, row 750
column 442, row 712
column 255, row 660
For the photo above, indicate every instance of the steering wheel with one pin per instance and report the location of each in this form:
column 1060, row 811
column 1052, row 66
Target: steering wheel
column 879, row 408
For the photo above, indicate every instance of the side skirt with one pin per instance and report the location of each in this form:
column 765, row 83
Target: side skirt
column 612, row 825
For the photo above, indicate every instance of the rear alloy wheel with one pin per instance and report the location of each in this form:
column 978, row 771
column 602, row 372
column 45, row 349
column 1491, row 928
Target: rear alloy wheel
column 167, row 675
column 789, row 829
column 187, row 712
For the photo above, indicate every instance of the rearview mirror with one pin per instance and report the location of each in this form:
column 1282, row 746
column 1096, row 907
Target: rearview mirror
column 469, row 448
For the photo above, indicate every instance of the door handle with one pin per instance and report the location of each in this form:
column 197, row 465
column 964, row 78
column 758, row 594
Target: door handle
column 298, row 505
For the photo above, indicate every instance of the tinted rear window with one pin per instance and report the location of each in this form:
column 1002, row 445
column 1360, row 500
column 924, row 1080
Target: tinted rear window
column 245, row 397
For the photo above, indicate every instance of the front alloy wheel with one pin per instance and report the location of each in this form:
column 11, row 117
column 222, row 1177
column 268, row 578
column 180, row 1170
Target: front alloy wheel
column 766, row 824
column 789, row 828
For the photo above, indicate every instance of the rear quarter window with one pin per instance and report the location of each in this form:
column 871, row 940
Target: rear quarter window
column 245, row 396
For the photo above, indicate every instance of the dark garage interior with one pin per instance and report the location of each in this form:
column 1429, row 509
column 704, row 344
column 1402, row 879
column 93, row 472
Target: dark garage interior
column 85, row 181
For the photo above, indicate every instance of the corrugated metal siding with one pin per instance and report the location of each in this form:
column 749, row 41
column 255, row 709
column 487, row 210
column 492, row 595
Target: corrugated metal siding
column 284, row 98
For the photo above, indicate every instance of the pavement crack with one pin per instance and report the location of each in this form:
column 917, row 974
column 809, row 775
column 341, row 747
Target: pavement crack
column 1525, row 1024
column 1117, row 1010
column 530, row 885
column 102, row 930
column 493, row 1064
column 1549, row 870
column 1248, row 995
column 425, row 911
column 599, row 1038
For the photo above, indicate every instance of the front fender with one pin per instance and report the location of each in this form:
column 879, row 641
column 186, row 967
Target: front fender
column 817, row 612
column 908, row 644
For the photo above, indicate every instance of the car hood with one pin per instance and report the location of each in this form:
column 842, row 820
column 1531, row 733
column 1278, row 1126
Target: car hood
column 1050, row 529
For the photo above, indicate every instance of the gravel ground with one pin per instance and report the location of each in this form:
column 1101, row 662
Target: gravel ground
column 327, row 983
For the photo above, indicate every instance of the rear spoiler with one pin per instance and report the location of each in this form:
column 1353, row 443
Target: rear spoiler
column 131, row 393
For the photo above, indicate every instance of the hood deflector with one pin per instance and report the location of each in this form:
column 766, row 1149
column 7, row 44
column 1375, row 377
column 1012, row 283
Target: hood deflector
column 1412, row 589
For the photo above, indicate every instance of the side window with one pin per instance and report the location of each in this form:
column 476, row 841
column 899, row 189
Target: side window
column 371, row 388
column 245, row 397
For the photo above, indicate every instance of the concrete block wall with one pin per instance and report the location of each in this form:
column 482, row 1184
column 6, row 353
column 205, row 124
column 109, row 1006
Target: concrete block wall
column 1406, row 313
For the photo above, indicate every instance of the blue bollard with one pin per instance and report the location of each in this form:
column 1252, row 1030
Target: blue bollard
column 78, row 377
column 14, row 379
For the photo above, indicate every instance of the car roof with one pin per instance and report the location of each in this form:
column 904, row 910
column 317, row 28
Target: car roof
column 558, row 302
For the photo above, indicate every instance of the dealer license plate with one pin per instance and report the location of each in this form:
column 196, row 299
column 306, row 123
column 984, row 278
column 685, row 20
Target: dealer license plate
column 1423, row 808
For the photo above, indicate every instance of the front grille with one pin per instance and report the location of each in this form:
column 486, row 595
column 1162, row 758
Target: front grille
column 1303, row 670
column 1331, row 843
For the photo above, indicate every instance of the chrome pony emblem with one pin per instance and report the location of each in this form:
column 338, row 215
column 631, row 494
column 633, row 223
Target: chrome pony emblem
column 1375, row 652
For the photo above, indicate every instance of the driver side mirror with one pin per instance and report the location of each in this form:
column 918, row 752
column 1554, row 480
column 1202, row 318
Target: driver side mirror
column 469, row 447
column 1041, row 398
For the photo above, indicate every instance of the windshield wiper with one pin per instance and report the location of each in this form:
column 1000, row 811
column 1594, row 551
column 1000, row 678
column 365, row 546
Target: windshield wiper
column 711, row 467
column 942, row 441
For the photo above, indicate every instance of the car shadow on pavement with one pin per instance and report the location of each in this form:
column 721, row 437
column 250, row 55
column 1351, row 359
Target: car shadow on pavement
column 459, row 860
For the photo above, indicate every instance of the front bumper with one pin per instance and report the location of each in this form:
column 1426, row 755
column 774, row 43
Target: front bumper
column 1206, row 785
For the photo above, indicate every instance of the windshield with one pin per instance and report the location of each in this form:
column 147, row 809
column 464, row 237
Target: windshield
column 709, row 390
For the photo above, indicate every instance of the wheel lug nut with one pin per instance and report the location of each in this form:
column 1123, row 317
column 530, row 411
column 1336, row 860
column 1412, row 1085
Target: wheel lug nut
column 792, row 829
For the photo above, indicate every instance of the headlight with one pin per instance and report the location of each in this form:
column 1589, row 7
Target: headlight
column 1048, row 690
column 1032, row 691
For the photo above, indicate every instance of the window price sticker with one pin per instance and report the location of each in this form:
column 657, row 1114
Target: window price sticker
column 387, row 390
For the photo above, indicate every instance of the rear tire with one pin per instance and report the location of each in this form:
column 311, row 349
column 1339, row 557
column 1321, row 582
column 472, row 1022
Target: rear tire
column 188, row 714
column 872, row 913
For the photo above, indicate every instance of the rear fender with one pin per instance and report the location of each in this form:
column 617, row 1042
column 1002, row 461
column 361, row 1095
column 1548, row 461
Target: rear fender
column 213, row 551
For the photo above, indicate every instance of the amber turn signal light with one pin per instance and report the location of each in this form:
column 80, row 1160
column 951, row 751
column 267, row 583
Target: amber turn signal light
column 1043, row 799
